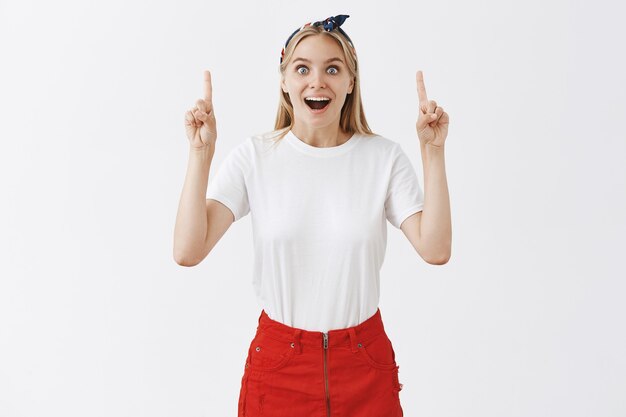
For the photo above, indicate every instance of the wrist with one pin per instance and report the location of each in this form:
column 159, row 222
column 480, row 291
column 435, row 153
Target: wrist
column 205, row 151
column 431, row 148
column 203, row 155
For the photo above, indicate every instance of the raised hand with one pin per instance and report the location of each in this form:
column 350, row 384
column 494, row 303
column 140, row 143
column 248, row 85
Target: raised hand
column 432, row 122
column 200, row 124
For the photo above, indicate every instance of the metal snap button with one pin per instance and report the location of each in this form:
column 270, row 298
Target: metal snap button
column 293, row 344
column 258, row 348
column 360, row 345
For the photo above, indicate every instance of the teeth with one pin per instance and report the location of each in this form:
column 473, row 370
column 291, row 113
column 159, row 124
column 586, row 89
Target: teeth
column 317, row 98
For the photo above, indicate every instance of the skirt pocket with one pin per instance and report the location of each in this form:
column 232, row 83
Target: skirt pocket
column 268, row 354
column 378, row 352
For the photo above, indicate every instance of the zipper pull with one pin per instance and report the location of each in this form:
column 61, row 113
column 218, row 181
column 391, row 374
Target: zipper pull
column 325, row 340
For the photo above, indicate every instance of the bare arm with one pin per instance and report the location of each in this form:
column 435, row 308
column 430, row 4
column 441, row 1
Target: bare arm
column 430, row 231
column 200, row 222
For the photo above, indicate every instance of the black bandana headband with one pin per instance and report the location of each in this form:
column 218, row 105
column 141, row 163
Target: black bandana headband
column 329, row 24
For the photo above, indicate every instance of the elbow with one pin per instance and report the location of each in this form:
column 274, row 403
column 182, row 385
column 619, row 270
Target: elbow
column 438, row 261
column 436, row 251
column 440, row 258
column 184, row 262
column 184, row 259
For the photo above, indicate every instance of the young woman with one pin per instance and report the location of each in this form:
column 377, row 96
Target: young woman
column 320, row 187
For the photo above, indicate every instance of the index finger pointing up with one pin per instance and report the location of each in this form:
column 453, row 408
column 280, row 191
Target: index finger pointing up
column 421, row 88
column 208, row 89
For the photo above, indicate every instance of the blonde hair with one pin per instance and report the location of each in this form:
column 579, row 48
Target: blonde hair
column 352, row 119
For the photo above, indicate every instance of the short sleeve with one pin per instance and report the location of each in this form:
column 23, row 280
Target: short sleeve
column 404, row 194
column 228, row 186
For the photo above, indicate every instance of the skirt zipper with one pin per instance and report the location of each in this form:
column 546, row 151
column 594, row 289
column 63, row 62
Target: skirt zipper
column 325, row 335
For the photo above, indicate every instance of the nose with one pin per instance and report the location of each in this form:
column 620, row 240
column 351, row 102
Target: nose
column 317, row 80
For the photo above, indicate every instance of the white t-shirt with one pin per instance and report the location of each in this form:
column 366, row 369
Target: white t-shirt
column 318, row 222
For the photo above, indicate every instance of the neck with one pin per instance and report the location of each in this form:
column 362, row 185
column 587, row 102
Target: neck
column 323, row 137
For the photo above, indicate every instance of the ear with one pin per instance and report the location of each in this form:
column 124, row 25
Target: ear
column 282, row 85
column 351, row 88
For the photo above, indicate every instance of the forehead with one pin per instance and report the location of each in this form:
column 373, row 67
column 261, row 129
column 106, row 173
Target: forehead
column 318, row 48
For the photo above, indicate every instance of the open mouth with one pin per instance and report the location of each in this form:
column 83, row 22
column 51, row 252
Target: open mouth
column 317, row 104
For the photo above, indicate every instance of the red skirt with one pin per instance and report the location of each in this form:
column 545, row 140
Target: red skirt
column 349, row 372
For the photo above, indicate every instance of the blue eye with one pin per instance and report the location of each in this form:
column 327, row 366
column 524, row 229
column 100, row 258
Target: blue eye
column 336, row 70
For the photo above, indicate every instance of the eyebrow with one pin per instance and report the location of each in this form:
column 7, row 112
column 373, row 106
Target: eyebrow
column 327, row 61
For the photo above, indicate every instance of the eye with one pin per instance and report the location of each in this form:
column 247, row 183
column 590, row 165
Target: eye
column 299, row 67
column 334, row 68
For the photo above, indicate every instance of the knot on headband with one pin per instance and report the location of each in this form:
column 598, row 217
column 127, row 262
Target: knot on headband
column 330, row 23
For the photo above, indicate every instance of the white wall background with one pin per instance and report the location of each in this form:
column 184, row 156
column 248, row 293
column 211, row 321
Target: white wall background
column 96, row 318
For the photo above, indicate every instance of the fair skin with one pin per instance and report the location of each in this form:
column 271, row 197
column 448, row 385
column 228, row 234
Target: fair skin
column 318, row 68
column 430, row 230
column 200, row 222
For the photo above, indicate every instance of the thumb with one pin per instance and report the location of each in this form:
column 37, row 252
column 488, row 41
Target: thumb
column 424, row 119
column 202, row 116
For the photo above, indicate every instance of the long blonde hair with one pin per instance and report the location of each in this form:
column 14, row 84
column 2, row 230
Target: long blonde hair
column 352, row 119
